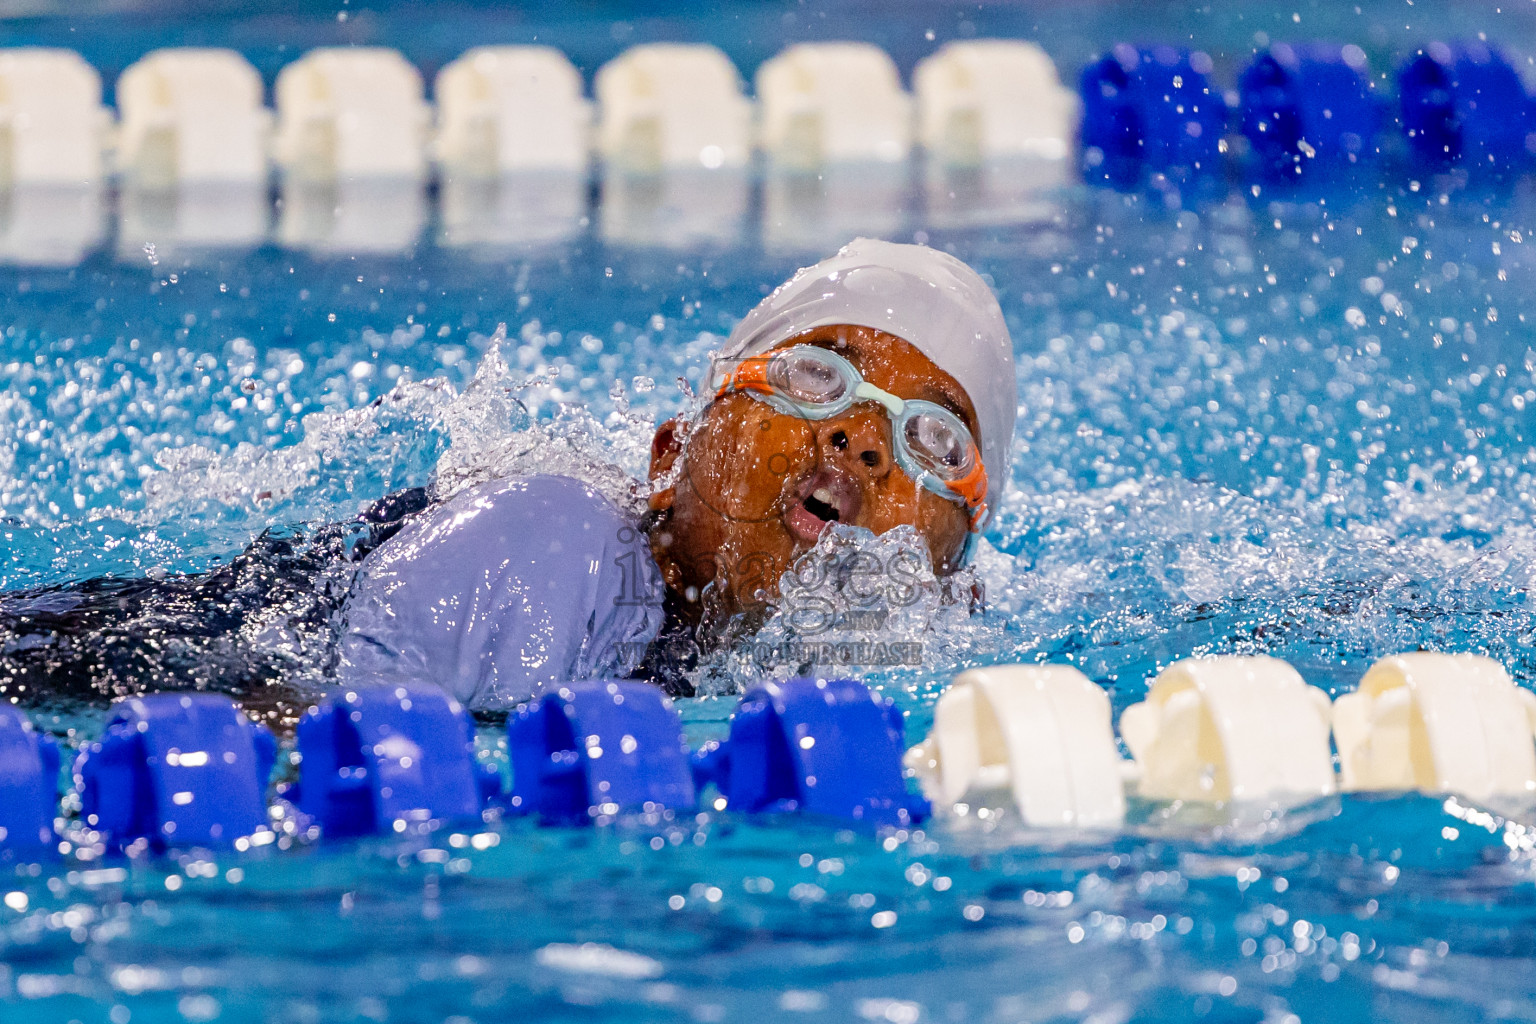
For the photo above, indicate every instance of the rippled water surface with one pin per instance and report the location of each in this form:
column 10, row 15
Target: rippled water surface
column 1250, row 421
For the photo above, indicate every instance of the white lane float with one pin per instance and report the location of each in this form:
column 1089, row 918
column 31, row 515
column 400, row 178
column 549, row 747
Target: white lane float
column 192, row 151
column 352, row 143
column 1231, row 728
column 351, row 112
column 827, row 103
column 675, row 134
column 53, row 130
column 1438, row 723
column 508, row 109
column 192, row 115
column 993, row 98
column 514, row 143
column 1038, row 737
column 53, row 127
column 835, row 127
column 996, row 126
column 672, row 105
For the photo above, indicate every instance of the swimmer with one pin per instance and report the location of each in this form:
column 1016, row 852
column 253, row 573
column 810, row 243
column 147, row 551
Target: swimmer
column 876, row 388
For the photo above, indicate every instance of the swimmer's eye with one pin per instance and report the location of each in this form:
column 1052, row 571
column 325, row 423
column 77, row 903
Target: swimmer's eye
column 805, row 378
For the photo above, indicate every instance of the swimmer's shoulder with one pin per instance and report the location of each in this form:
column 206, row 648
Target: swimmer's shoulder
column 545, row 497
column 530, row 512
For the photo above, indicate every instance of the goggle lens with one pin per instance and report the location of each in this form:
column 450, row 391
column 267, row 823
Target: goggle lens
column 803, row 377
column 939, row 444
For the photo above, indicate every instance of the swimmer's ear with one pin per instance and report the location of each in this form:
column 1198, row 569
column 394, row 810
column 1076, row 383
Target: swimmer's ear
column 666, row 446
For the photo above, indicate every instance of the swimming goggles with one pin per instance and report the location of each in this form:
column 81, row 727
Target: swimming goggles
column 932, row 445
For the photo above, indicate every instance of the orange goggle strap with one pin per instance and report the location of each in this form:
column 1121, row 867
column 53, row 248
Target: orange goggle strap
column 751, row 374
column 972, row 488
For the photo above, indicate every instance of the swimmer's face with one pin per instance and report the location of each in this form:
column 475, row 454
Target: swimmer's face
column 755, row 487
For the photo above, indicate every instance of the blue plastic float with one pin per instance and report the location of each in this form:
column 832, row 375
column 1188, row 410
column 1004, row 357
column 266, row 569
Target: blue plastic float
column 1464, row 104
column 385, row 758
column 1309, row 107
column 1150, row 108
column 190, row 769
column 176, row 769
column 29, row 784
column 828, row 747
column 596, row 749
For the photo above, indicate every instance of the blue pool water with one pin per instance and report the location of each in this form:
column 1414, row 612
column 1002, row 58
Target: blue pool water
column 1252, row 422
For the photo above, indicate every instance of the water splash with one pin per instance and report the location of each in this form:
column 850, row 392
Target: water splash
column 1121, row 580
column 340, row 455
column 862, row 605
column 418, row 433
column 491, row 436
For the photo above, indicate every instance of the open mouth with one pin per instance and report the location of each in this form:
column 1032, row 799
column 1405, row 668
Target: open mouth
column 827, row 496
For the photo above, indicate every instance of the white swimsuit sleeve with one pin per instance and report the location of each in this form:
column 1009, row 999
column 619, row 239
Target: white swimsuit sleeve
column 503, row 590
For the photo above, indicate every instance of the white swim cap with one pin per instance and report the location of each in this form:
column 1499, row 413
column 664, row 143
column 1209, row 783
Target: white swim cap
column 921, row 295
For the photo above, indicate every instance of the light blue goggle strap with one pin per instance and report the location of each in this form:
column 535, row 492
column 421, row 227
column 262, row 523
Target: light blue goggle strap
column 867, row 392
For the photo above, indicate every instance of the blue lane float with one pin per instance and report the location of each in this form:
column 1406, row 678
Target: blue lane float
column 593, row 750
column 1309, row 106
column 827, row 747
column 176, row 769
column 387, row 758
column 1150, row 108
column 29, row 785
column 1463, row 104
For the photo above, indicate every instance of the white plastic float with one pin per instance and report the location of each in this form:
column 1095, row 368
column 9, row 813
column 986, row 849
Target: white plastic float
column 669, row 105
column 675, row 133
column 351, row 113
column 192, row 150
column 993, row 98
column 997, row 126
column 508, row 109
column 513, row 144
column 1438, row 723
column 1036, row 736
column 836, row 129
column 53, row 129
column 351, row 139
column 52, row 124
column 1231, row 728
column 192, row 115
column 824, row 103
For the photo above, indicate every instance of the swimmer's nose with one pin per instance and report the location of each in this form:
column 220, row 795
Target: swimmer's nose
column 859, row 442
